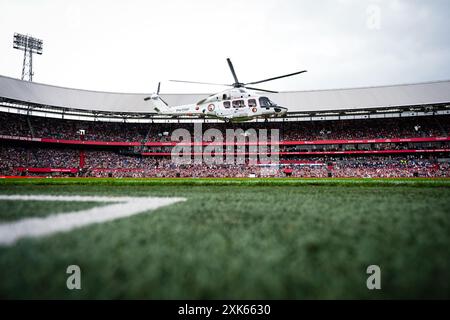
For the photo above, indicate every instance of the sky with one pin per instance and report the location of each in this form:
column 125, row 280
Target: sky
column 129, row 46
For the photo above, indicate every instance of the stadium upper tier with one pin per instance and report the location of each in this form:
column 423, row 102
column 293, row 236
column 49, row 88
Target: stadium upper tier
column 297, row 101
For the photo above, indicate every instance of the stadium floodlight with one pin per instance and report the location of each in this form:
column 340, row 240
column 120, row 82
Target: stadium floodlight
column 28, row 45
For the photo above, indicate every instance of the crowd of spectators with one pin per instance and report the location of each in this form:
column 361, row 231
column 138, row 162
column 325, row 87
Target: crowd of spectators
column 21, row 125
column 114, row 164
column 366, row 167
column 368, row 129
column 36, row 157
column 375, row 167
column 366, row 147
column 103, row 163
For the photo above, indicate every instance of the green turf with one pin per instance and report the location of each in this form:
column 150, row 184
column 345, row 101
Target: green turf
column 299, row 239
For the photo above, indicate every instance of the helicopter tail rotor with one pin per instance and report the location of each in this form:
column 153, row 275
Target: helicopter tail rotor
column 156, row 96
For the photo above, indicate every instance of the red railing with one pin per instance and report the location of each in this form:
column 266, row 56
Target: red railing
column 46, row 170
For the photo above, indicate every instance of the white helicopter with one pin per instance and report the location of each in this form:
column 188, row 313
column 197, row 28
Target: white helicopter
column 231, row 105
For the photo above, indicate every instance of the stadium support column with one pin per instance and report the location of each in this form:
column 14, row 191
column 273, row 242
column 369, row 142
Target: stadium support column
column 82, row 159
column 30, row 57
column 82, row 151
column 24, row 62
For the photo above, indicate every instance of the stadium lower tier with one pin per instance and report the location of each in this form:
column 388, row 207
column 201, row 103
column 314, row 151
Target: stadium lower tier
column 30, row 160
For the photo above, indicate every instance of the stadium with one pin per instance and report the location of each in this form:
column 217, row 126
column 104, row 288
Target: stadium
column 332, row 184
column 330, row 213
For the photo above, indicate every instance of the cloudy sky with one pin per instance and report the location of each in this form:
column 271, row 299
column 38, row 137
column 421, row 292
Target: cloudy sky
column 128, row 46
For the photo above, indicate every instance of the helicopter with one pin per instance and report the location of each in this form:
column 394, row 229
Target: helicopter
column 240, row 103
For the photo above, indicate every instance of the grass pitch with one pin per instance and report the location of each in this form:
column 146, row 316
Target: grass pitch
column 238, row 239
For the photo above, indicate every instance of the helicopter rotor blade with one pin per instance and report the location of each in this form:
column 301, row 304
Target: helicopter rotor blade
column 275, row 78
column 207, row 83
column 163, row 101
column 230, row 64
column 270, row 91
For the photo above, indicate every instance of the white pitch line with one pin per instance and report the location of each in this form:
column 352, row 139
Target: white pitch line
column 35, row 227
column 70, row 198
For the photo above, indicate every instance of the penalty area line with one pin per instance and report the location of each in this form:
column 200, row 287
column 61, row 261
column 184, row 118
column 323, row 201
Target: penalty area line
column 120, row 207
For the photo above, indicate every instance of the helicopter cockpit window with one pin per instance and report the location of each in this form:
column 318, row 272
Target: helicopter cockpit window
column 238, row 104
column 227, row 104
column 251, row 103
column 265, row 102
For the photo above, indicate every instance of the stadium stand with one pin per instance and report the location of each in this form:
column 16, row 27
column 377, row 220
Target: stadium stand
column 387, row 159
column 22, row 160
column 49, row 131
column 22, row 126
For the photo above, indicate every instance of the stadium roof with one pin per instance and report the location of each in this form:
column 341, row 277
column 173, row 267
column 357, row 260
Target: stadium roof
column 297, row 101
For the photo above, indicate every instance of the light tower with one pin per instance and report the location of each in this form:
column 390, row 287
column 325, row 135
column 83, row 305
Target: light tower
column 28, row 45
